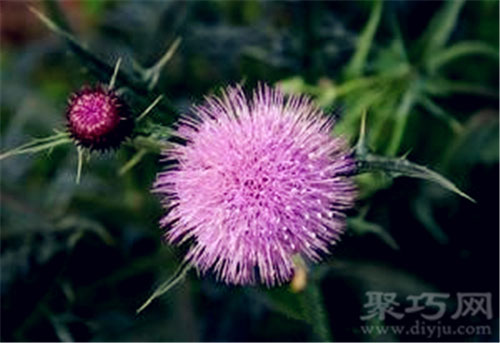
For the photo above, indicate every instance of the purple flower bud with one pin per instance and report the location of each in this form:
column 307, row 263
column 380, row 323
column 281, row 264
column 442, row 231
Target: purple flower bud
column 98, row 118
column 255, row 182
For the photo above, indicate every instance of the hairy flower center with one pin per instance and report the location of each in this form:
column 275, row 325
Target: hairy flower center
column 257, row 182
column 93, row 114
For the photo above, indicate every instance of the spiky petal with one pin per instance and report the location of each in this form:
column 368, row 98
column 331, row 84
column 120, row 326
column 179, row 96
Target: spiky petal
column 255, row 182
column 98, row 119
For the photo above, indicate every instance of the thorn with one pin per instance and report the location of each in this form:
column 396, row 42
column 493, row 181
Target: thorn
column 115, row 74
column 132, row 162
column 152, row 74
column 136, row 66
column 405, row 155
column 361, row 148
column 80, row 165
column 150, row 107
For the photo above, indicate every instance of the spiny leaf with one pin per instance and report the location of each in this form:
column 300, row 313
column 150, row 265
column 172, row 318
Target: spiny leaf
column 38, row 144
column 101, row 69
column 396, row 167
column 178, row 276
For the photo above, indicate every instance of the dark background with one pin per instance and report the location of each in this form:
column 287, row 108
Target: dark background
column 78, row 260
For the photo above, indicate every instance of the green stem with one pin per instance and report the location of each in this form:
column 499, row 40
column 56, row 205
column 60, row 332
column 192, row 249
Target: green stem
column 148, row 143
column 314, row 308
column 133, row 161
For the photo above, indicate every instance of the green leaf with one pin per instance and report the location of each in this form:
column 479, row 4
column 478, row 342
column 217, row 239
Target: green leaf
column 398, row 44
column 60, row 328
column 357, row 62
column 423, row 211
column 295, row 84
column 396, row 167
column 178, row 276
column 38, row 144
column 459, row 50
column 444, row 87
column 477, row 144
column 153, row 143
column 314, row 309
column 440, row 28
column 306, row 305
column 54, row 10
column 281, row 300
column 80, row 226
column 440, row 113
column 361, row 227
column 102, row 70
column 401, row 119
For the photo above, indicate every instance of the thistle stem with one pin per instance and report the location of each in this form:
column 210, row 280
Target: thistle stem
column 313, row 304
column 133, row 161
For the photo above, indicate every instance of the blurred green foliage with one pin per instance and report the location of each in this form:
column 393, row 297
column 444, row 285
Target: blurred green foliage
column 78, row 260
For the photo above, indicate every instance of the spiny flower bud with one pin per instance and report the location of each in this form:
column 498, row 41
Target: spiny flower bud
column 98, row 118
column 256, row 182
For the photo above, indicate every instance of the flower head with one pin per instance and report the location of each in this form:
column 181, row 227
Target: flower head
column 98, row 118
column 255, row 182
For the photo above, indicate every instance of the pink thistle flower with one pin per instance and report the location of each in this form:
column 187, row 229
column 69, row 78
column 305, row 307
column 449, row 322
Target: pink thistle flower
column 255, row 182
column 98, row 118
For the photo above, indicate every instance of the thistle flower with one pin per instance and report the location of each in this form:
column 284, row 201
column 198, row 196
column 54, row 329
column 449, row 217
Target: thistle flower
column 98, row 118
column 255, row 182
